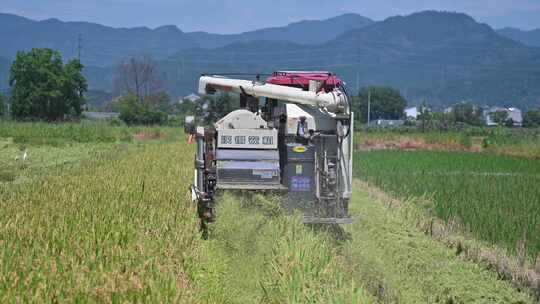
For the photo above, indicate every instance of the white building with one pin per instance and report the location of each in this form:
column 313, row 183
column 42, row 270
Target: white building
column 411, row 112
column 191, row 97
column 388, row 122
column 100, row 115
column 513, row 113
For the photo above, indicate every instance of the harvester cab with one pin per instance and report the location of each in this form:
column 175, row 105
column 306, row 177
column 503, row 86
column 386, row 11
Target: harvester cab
column 292, row 133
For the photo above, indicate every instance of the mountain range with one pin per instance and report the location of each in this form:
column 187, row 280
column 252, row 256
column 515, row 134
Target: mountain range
column 103, row 45
column 441, row 57
column 530, row 38
column 435, row 56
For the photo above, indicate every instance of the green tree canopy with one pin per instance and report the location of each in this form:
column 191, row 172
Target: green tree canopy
column 531, row 119
column 386, row 103
column 133, row 112
column 218, row 106
column 43, row 87
column 159, row 100
column 499, row 117
column 467, row 113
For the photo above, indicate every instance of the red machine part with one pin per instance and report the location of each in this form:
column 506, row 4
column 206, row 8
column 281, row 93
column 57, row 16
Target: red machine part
column 301, row 79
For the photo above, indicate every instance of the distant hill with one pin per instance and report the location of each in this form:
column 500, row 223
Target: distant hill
column 530, row 38
column 444, row 58
column 103, row 45
column 308, row 31
column 439, row 56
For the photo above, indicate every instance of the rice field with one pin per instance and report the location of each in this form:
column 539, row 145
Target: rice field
column 496, row 198
column 114, row 229
column 120, row 227
column 115, row 224
column 32, row 149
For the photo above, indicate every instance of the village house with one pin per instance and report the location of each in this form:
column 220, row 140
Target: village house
column 411, row 113
column 97, row 116
column 388, row 122
column 514, row 114
column 191, row 97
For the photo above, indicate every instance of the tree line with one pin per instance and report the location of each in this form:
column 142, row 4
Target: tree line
column 44, row 87
column 383, row 102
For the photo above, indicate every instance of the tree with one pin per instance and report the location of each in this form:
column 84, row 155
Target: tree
column 137, row 75
column 133, row 112
column 386, row 103
column 425, row 116
column 75, row 86
column 531, row 119
column 499, row 117
column 467, row 113
column 441, row 120
column 44, row 88
column 159, row 100
column 219, row 106
column 184, row 108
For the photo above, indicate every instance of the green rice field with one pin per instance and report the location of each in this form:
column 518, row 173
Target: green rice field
column 496, row 198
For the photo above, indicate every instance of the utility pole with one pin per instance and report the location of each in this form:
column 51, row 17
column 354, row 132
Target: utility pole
column 369, row 107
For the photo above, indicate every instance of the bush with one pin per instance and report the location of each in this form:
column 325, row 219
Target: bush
column 175, row 121
column 531, row 119
column 467, row 113
column 133, row 112
column 116, row 122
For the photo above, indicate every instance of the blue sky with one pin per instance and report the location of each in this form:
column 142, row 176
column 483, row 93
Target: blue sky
column 232, row 16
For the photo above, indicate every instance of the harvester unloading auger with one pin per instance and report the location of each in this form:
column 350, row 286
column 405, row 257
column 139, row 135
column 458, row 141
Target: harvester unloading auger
column 292, row 133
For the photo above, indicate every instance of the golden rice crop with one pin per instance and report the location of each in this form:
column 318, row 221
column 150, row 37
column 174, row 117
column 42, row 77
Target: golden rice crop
column 120, row 228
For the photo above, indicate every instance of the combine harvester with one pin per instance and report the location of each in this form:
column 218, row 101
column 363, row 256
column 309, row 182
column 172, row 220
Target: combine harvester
column 292, row 133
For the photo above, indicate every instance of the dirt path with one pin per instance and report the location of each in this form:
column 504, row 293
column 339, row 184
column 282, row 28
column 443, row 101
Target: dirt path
column 399, row 263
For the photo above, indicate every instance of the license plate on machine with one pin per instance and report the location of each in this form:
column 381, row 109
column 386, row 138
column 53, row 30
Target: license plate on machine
column 264, row 174
column 247, row 139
